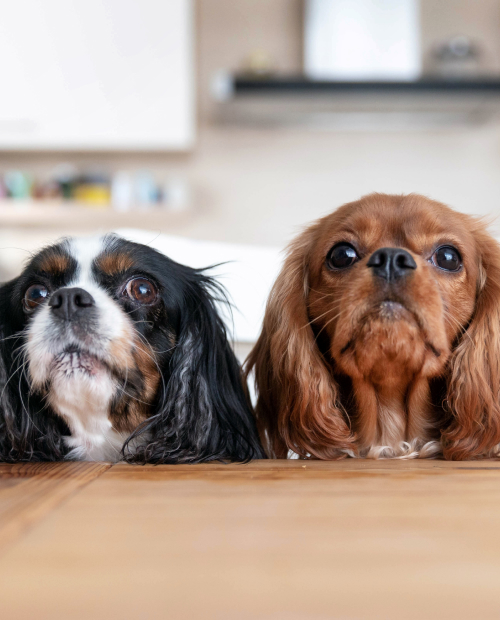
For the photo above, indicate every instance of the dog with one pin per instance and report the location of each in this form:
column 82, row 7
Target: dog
column 110, row 350
column 381, row 337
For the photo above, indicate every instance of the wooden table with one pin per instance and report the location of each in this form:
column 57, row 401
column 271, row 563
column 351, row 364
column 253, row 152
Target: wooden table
column 272, row 540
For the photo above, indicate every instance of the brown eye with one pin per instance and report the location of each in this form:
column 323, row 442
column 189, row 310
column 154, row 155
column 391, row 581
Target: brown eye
column 447, row 258
column 341, row 256
column 141, row 290
column 34, row 296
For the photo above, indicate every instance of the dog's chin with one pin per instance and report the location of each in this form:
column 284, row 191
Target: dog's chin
column 386, row 340
column 389, row 325
column 74, row 361
column 389, row 310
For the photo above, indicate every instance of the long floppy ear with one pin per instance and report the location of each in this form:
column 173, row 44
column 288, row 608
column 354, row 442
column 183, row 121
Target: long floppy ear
column 28, row 430
column 473, row 391
column 298, row 406
column 202, row 412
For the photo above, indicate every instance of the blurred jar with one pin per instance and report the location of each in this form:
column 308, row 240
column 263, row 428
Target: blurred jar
column 458, row 57
column 93, row 190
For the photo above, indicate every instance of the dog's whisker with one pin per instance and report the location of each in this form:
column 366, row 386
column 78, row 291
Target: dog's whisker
column 463, row 330
column 318, row 318
column 330, row 321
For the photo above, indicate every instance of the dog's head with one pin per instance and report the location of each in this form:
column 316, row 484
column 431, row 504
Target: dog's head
column 376, row 305
column 118, row 340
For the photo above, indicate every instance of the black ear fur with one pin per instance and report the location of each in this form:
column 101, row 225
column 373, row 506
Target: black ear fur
column 202, row 411
column 28, row 431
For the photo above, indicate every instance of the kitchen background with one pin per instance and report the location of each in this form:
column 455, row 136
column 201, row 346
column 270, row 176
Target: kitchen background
column 216, row 129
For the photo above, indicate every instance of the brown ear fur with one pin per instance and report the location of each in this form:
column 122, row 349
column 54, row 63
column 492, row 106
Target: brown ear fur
column 474, row 379
column 298, row 404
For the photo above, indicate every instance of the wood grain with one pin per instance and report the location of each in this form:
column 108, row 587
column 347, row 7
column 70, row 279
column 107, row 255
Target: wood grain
column 282, row 540
column 29, row 491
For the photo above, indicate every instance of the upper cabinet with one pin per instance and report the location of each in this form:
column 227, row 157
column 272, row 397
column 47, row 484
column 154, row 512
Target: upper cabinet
column 97, row 74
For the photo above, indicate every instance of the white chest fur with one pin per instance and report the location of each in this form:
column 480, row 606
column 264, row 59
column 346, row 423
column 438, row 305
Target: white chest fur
column 84, row 404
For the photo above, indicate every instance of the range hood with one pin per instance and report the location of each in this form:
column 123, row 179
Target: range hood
column 351, row 105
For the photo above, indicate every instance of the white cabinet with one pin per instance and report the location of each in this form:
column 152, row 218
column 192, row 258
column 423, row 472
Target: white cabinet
column 97, row 74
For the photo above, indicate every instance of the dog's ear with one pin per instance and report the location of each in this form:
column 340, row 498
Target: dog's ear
column 202, row 411
column 473, row 388
column 14, row 435
column 17, row 433
column 298, row 406
column 28, row 431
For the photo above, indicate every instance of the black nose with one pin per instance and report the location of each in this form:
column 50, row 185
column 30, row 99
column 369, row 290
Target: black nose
column 66, row 303
column 391, row 263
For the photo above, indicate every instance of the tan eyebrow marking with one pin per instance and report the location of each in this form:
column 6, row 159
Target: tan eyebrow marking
column 114, row 263
column 54, row 264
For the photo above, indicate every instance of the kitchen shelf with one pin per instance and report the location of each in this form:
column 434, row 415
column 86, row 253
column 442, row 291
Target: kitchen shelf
column 243, row 85
column 72, row 216
column 295, row 101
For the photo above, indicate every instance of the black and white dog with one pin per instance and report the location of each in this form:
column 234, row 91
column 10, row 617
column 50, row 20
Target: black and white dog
column 111, row 350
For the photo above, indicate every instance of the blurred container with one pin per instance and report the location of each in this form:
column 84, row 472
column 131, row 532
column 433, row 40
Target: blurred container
column 65, row 175
column 18, row 184
column 122, row 192
column 93, row 189
column 93, row 194
column 456, row 58
column 258, row 64
column 145, row 190
column 46, row 190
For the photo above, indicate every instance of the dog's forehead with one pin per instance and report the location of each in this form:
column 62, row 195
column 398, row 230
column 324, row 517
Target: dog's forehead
column 85, row 251
column 80, row 259
column 106, row 257
column 55, row 260
column 411, row 221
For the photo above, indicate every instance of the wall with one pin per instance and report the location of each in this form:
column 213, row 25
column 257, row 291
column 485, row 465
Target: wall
column 262, row 185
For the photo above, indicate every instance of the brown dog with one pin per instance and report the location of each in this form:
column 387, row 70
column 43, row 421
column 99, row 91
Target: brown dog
column 382, row 336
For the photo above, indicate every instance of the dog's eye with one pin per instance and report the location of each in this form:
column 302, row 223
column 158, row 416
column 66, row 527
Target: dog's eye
column 34, row 296
column 341, row 256
column 447, row 258
column 141, row 290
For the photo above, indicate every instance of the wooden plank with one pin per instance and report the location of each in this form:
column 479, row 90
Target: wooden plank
column 269, row 540
column 294, row 468
column 29, row 491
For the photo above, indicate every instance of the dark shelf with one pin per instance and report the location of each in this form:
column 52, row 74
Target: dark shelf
column 243, row 85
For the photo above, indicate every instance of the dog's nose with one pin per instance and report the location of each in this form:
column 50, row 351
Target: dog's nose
column 391, row 263
column 66, row 303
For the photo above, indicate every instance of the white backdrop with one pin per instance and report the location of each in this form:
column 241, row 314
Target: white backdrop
column 248, row 274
